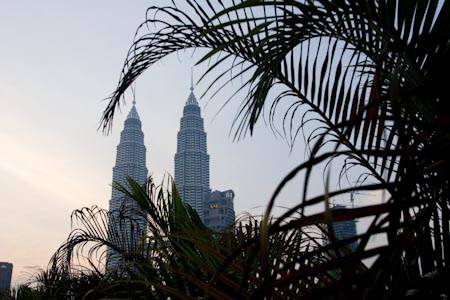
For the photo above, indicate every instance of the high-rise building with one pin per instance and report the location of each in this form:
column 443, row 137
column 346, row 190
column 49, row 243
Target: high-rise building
column 344, row 229
column 5, row 275
column 130, row 162
column 192, row 159
column 218, row 212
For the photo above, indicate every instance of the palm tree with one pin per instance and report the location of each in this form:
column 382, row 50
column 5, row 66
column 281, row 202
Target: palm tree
column 373, row 78
column 183, row 259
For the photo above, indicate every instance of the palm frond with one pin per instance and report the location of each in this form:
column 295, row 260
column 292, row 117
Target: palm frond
column 372, row 77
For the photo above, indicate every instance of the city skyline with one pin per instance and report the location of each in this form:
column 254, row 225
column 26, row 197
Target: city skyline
column 191, row 175
column 57, row 161
column 320, row 127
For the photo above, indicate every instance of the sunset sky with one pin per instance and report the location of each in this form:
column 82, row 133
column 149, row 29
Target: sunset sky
column 58, row 61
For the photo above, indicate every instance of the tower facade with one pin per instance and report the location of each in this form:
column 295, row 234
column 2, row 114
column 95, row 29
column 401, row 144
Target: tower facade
column 129, row 232
column 218, row 211
column 5, row 276
column 345, row 229
column 192, row 159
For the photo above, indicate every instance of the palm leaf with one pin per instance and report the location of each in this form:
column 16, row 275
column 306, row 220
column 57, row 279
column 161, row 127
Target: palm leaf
column 372, row 75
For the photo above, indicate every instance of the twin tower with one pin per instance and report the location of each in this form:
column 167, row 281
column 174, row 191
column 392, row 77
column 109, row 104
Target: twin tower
column 191, row 174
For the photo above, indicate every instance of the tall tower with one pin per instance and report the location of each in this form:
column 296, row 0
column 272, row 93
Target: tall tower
column 192, row 159
column 127, row 233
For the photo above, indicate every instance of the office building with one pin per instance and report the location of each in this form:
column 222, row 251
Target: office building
column 129, row 232
column 345, row 229
column 219, row 210
column 191, row 158
column 5, row 275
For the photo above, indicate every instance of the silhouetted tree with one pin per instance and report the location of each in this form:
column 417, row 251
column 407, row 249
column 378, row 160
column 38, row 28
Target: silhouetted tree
column 372, row 77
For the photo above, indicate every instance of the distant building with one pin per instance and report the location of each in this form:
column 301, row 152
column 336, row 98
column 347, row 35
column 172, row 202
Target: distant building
column 5, row 275
column 218, row 212
column 191, row 158
column 345, row 229
column 130, row 162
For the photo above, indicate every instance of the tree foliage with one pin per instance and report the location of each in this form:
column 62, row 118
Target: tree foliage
column 372, row 77
column 181, row 258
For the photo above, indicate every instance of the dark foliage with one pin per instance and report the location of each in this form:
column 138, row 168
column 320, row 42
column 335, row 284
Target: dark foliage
column 372, row 76
column 182, row 259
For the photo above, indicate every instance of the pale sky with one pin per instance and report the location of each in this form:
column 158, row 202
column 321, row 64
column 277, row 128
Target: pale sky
column 58, row 60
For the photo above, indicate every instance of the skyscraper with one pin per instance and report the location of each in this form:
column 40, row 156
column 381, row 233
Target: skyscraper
column 344, row 229
column 218, row 212
column 130, row 162
column 5, row 276
column 192, row 159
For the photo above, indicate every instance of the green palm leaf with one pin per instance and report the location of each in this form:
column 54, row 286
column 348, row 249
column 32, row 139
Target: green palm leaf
column 372, row 77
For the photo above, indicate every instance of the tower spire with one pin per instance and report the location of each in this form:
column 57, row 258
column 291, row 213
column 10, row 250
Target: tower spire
column 192, row 78
column 133, row 90
column 133, row 114
column 191, row 99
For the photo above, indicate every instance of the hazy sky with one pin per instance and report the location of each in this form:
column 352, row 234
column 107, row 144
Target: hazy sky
column 58, row 60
